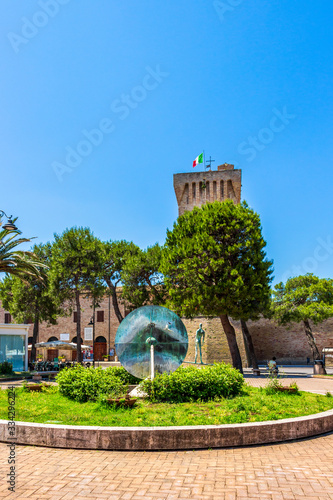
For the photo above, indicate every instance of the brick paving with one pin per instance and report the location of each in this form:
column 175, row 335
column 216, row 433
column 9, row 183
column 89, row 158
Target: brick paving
column 294, row 470
column 285, row 471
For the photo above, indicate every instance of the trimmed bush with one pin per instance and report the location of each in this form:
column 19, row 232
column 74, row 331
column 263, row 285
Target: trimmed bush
column 194, row 384
column 6, row 368
column 123, row 375
column 88, row 384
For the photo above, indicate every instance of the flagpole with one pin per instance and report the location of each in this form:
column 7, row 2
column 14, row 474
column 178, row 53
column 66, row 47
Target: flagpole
column 204, row 161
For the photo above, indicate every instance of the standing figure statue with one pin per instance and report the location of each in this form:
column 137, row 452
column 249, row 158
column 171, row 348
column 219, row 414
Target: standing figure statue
column 200, row 337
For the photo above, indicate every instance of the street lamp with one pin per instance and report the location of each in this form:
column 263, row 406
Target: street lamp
column 9, row 226
column 92, row 323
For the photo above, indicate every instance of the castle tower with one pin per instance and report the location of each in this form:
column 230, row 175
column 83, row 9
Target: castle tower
column 196, row 188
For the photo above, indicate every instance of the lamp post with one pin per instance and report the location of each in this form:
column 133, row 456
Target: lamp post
column 92, row 323
column 9, row 226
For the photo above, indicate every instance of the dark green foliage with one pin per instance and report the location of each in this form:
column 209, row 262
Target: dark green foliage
column 142, row 282
column 214, row 262
column 75, row 270
column 87, row 384
column 115, row 254
column 6, row 368
column 194, row 384
column 303, row 298
column 123, row 375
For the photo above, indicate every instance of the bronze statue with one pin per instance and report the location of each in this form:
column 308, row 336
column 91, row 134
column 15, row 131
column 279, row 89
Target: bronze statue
column 199, row 337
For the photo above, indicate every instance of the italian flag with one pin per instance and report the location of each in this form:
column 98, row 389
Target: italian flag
column 199, row 159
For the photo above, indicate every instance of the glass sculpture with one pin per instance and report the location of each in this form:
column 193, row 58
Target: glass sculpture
column 146, row 326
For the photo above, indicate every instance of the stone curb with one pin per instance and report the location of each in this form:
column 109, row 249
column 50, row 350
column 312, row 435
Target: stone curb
column 167, row 438
column 327, row 377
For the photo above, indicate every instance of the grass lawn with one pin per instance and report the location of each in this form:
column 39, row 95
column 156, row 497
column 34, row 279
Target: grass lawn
column 254, row 405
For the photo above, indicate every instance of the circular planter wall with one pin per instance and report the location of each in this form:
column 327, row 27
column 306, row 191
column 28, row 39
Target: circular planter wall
column 167, row 438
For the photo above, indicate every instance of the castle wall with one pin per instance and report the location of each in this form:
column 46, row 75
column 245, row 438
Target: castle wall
column 289, row 345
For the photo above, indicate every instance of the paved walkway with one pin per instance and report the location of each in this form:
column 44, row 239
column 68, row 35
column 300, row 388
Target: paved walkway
column 310, row 384
column 286, row 471
column 294, row 470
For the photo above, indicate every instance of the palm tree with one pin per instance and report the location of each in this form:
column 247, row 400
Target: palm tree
column 17, row 262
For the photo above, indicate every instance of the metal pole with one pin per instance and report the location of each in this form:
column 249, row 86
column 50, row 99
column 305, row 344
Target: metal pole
column 94, row 335
column 109, row 325
column 152, row 363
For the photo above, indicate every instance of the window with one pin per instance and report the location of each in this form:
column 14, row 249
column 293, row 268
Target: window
column 88, row 333
column 100, row 316
column 75, row 317
column 214, row 190
column 193, row 190
column 222, row 190
column 207, row 190
column 230, row 190
column 186, row 192
column 8, row 318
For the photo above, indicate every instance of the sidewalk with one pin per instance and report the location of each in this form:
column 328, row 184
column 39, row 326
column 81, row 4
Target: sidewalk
column 302, row 377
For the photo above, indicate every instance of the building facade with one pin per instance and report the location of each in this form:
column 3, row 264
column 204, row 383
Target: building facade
column 106, row 324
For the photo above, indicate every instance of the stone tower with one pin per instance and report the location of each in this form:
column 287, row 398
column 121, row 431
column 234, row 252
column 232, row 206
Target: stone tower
column 196, row 188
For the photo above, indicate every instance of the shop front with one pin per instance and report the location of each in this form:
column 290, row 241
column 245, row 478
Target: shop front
column 14, row 346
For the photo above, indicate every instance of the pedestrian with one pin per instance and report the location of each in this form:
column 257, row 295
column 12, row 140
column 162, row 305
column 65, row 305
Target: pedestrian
column 272, row 366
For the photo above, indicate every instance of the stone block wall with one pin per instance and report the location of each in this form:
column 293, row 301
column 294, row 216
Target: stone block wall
column 289, row 345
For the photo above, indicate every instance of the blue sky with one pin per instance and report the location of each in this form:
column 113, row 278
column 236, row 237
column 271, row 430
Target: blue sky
column 249, row 82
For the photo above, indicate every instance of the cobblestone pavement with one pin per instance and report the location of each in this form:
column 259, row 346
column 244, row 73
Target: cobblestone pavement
column 285, row 471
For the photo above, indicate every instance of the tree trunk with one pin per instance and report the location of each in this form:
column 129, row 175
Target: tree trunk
column 232, row 342
column 34, row 338
column 78, row 326
column 114, row 299
column 309, row 334
column 250, row 346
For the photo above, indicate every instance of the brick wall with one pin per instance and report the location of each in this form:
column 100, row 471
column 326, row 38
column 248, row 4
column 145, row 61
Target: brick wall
column 289, row 345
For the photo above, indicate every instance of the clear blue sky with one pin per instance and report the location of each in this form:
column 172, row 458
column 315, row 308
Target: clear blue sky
column 199, row 75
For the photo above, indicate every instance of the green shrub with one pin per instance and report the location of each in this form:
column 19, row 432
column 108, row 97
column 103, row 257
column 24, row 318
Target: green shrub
column 273, row 385
column 194, row 384
column 87, row 384
column 6, row 368
column 123, row 375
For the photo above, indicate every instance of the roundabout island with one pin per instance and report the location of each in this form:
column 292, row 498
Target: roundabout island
column 255, row 416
